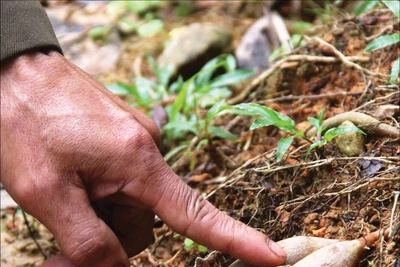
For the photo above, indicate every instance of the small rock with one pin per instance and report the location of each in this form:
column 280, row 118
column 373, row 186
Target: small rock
column 192, row 46
column 254, row 48
column 385, row 111
column 6, row 200
column 312, row 218
column 333, row 229
column 350, row 144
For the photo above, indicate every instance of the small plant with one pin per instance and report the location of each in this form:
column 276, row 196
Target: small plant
column 197, row 101
column 201, row 126
column 189, row 244
column 146, row 92
column 269, row 117
column 385, row 40
column 203, row 92
column 296, row 40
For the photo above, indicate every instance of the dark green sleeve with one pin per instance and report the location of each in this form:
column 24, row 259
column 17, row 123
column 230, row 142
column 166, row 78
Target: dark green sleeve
column 25, row 26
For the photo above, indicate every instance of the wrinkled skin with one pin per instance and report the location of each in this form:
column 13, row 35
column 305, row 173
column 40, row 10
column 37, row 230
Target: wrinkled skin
column 87, row 166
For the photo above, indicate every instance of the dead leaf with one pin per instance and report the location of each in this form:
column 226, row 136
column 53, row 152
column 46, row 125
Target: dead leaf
column 199, row 177
column 385, row 111
column 319, row 232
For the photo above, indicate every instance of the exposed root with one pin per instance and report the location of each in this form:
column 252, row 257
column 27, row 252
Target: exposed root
column 342, row 57
column 361, row 120
column 264, row 75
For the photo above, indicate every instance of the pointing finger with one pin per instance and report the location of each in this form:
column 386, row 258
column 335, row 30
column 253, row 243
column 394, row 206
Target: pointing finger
column 191, row 215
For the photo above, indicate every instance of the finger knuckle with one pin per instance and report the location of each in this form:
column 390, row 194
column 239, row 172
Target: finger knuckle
column 85, row 249
column 29, row 189
column 199, row 210
column 138, row 139
column 155, row 132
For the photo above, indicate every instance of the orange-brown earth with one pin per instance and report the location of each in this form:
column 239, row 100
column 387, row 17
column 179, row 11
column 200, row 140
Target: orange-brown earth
column 326, row 195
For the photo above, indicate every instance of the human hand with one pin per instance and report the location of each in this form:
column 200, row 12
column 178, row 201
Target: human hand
column 87, row 166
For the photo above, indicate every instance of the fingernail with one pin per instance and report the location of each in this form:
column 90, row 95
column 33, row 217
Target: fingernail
column 276, row 249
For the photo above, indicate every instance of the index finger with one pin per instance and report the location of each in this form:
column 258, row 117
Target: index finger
column 189, row 214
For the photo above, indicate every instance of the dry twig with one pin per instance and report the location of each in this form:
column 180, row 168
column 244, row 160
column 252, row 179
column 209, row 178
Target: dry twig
column 342, row 57
column 303, row 97
column 361, row 120
column 264, row 75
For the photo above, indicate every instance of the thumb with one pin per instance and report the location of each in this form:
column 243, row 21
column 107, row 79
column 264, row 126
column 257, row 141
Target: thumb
column 84, row 239
column 191, row 215
column 58, row 261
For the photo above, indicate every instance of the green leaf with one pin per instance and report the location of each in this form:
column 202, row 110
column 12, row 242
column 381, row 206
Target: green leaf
column 365, row 6
column 283, row 146
column 201, row 143
column 321, row 116
column 99, row 32
column 202, row 248
column 394, row 6
column 395, row 71
column 189, row 244
column 117, row 7
column 338, row 2
column 180, row 99
column 174, row 151
column 317, row 123
column 207, row 71
column 268, row 117
column 382, row 42
column 139, row 7
column 184, row 9
column 142, row 91
column 334, row 132
column 296, row 40
column 314, row 145
column 300, row 27
column 211, row 97
column 180, row 127
column 177, row 85
column 230, row 63
column 314, row 122
column 127, row 25
column 163, row 74
column 117, row 89
column 262, row 122
column 150, row 28
column 214, row 111
column 299, row 134
column 231, row 78
column 224, row 134
column 186, row 90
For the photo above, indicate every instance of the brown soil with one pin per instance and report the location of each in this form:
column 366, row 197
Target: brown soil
column 326, row 195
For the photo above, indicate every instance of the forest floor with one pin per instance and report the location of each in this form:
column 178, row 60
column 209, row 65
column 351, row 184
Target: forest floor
column 326, row 194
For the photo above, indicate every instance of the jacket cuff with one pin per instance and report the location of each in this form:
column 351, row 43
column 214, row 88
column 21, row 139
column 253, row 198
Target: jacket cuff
column 25, row 26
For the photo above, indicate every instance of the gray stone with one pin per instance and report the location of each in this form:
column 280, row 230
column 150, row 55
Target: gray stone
column 6, row 200
column 192, row 46
column 350, row 144
column 254, row 48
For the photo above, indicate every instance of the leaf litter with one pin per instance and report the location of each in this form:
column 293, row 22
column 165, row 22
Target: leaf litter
column 327, row 195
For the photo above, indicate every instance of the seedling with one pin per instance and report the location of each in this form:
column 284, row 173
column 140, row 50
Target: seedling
column 269, row 117
column 203, row 91
column 197, row 101
column 386, row 40
column 189, row 244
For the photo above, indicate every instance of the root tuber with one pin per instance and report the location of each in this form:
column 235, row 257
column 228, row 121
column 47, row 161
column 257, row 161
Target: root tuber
column 346, row 253
column 364, row 122
column 305, row 251
column 296, row 248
